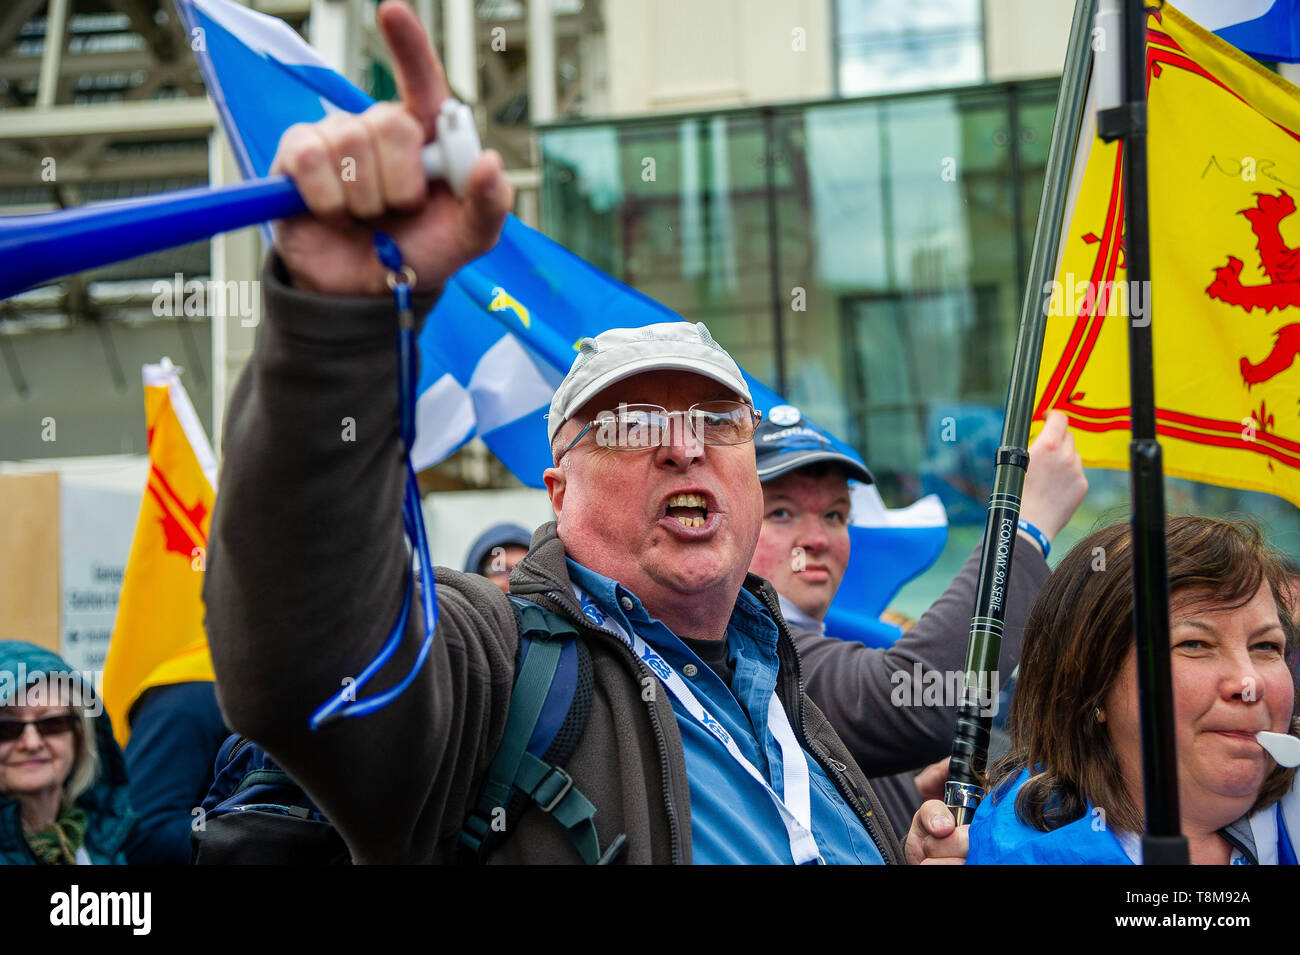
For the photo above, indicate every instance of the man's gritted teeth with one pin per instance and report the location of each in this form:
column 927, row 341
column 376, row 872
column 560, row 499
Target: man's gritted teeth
column 689, row 510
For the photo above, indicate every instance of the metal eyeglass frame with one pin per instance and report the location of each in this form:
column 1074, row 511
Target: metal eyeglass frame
column 755, row 414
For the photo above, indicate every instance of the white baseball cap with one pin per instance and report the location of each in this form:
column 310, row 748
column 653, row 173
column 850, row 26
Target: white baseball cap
column 623, row 352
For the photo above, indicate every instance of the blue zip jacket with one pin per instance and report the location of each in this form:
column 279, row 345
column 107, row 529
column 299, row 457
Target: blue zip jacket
column 107, row 804
column 998, row 837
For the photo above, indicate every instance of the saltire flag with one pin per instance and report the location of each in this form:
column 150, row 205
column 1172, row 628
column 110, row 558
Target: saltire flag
column 158, row 637
column 1223, row 138
column 1268, row 30
column 507, row 325
column 890, row 546
column 256, row 65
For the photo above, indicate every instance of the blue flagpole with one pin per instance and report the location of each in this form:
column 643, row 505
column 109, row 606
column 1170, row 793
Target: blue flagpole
column 37, row 248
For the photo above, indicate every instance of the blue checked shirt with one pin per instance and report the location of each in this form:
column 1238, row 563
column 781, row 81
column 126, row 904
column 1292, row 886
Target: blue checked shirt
column 733, row 820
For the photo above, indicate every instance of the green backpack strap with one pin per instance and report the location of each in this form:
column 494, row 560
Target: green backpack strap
column 515, row 768
column 263, row 777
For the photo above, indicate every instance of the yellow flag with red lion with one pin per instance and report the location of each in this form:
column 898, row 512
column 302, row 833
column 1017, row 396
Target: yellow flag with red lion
column 158, row 636
column 1224, row 301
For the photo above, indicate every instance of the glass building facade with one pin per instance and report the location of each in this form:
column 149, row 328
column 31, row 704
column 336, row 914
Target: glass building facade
column 882, row 46
column 866, row 258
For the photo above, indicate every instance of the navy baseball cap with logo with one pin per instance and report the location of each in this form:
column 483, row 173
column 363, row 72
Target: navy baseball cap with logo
column 785, row 440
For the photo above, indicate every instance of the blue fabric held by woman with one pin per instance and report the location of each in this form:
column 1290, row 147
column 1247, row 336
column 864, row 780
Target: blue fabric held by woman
column 999, row 837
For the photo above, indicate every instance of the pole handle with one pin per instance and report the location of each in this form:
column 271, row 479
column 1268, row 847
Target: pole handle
column 37, row 248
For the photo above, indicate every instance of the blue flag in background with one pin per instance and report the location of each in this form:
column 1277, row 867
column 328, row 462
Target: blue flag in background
column 506, row 327
column 1268, row 30
column 262, row 77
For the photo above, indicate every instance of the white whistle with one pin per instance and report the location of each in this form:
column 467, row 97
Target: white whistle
column 1283, row 747
column 451, row 156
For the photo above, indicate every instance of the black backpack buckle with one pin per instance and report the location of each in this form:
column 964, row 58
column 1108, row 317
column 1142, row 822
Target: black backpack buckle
column 557, row 780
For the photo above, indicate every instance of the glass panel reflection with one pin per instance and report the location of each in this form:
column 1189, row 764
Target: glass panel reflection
column 884, row 46
column 868, row 258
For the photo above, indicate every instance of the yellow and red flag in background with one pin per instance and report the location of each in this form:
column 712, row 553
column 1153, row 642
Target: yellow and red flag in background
column 1224, row 174
column 158, row 636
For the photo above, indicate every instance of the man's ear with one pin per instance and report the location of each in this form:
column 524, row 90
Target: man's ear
column 555, row 480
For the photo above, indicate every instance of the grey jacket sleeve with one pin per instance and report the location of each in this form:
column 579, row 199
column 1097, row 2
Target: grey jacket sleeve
column 307, row 567
column 871, row 695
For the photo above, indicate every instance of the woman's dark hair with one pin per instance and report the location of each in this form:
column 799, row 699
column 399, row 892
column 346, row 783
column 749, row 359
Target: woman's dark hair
column 1077, row 638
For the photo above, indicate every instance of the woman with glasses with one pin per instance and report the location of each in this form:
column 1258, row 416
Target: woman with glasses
column 63, row 790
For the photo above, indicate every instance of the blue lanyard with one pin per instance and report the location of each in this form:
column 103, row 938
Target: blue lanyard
column 344, row 703
column 1285, row 850
column 794, row 805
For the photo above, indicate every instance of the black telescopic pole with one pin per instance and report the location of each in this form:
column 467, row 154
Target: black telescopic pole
column 966, row 770
column 1163, row 842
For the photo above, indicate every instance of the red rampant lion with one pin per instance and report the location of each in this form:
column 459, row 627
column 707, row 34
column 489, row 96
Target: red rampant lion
column 176, row 538
column 1282, row 266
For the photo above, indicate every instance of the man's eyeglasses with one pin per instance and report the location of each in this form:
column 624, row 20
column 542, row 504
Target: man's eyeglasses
column 11, row 729
column 641, row 427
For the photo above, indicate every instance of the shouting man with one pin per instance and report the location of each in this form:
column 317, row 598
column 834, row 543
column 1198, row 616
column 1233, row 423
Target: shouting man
column 658, row 507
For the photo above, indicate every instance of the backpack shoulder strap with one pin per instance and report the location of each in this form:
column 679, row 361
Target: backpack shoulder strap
column 549, row 696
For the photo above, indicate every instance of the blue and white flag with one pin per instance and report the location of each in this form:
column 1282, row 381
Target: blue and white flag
column 263, row 78
column 507, row 325
column 1268, row 30
column 889, row 548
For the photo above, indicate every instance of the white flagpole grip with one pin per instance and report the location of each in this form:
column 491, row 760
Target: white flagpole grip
column 1108, row 49
column 451, row 156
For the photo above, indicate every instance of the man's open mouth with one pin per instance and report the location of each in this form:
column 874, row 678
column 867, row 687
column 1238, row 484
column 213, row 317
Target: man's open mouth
column 689, row 510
